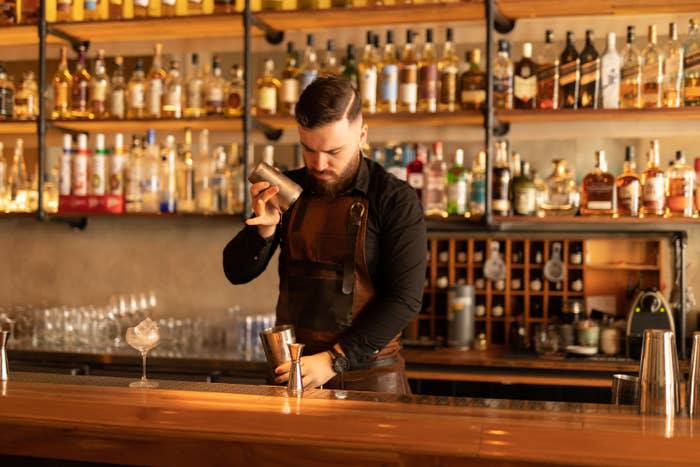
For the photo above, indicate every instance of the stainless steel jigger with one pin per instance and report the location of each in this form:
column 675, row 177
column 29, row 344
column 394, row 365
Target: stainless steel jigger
column 659, row 385
column 295, row 385
column 693, row 386
column 4, row 366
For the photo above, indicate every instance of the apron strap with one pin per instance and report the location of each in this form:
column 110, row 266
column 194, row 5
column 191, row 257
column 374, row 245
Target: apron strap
column 357, row 211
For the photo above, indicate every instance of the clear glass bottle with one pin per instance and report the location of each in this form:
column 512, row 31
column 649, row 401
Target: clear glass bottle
column 672, row 87
column 350, row 70
column 652, row 72
column 62, row 84
column 134, row 175
column 389, row 77
column 18, row 184
column 473, row 83
column 330, row 64
column 525, row 80
column 503, row 77
column 90, row 10
column 27, row 98
column 598, row 190
column 629, row 188
column 653, row 184
column 136, row 92
column 561, row 195
column 457, row 186
column 80, row 99
column 477, row 190
column 309, row 66
column 203, row 174
column 680, row 187
column 168, row 189
column 289, row 82
column 99, row 87
column 428, row 76
column 448, row 71
column 195, row 7
column 524, row 192
column 186, row 180
column 141, row 8
column 368, row 74
column 167, row 7
column 155, row 84
column 631, row 74
column 569, row 74
column 691, row 65
column 151, row 181
column 218, row 180
column 235, row 92
column 434, row 193
column 214, row 90
column 266, row 90
column 610, row 64
column 194, row 100
column 64, row 11
column 548, row 74
column 117, row 165
column 589, row 87
column 173, row 93
column 98, row 167
column 408, row 76
column 235, row 182
column 117, row 94
column 500, row 185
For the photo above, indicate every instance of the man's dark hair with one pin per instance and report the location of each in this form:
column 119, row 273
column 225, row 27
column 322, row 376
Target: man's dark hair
column 326, row 100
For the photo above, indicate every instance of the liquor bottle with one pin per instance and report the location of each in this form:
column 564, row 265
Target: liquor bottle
column 434, row 194
column 26, row 98
column 18, row 185
column 500, row 187
column 141, row 8
column 408, row 76
column 194, row 100
column 653, row 184
column 214, row 90
column 610, row 64
column 598, row 191
column 168, row 190
column 309, row 66
column 289, row 90
column 98, row 168
column 629, row 188
column 134, row 175
column 136, row 92
column 652, row 72
column 589, row 87
column 329, row 64
column 561, row 196
column 266, row 90
column 548, row 74
column 64, row 11
column 368, row 76
column 503, row 77
column 235, row 182
column 173, row 95
column 90, row 12
column 457, row 186
column 524, row 192
column 473, row 83
column 117, row 94
column 79, row 184
column 151, row 181
column 116, row 10
column 691, row 65
column 202, row 172
column 448, row 76
column 218, row 180
column 195, row 7
column 155, row 84
column 62, row 84
column 631, row 74
column 350, row 70
column 235, row 92
column 186, row 182
column 569, row 74
column 116, row 167
column 395, row 162
column 415, row 170
column 167, row 7
column 428, row 76
column 525, row 80
column 672, row 87
column 80, row 98
column 680, row 187
column 477, row 190
column 66, row 167
column 389, row 82
column 99, row 87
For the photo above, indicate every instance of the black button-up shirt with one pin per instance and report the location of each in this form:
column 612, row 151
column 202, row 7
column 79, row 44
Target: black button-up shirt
column 395, row 252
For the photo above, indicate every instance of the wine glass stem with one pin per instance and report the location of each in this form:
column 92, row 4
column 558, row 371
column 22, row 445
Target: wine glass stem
column 143, row 360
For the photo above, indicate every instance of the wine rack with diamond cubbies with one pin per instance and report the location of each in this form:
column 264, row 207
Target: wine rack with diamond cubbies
column 594, row 266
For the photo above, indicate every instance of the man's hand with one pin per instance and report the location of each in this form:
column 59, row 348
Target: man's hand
column 316, row 370
column 267, row 216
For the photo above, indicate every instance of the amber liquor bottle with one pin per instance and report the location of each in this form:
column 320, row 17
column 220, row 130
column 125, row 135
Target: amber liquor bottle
column 628, row 186
column 653, row 184
column 590, row 74
column 569, row 74
column 525, row 80
column 631, row 74
column 500, row 188
column 598, row 191
column 548, row 75
column 679, row 188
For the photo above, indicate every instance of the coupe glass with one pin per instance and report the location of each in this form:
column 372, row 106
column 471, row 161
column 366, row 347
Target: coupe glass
column 143, row 337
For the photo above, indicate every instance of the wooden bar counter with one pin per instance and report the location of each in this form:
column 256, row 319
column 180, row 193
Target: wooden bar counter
column 102, row 420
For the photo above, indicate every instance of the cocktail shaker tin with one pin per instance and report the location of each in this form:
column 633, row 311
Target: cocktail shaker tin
column 289, row 190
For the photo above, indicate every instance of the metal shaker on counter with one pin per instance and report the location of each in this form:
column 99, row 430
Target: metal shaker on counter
column 693, row 385
column 289, row 190
column 460, row 316
column 4, row 366
column 659, row 383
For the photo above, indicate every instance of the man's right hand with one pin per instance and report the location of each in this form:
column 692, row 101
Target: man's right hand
column 267, row 216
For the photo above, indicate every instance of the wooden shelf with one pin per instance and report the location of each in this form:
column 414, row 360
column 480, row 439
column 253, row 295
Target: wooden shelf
column 549, row 8
column 598, row 115
column 584, row 224
column 142, row 215
column 623, row 267
column 210, row 123
column 15, row 127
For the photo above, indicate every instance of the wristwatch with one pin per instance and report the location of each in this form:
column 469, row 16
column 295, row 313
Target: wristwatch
column 339, row 362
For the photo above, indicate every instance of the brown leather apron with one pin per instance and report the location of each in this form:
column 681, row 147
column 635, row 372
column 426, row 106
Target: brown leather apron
column 325, row 284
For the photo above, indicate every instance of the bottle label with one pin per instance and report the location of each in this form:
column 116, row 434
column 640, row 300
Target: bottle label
column 525, row 88
column 137, row 96
column 628, row 197
column 547, row 72
column 60, row 97
column 290, row 90
column 503, row 91
column 267, row 99
column 680, row 195
column 610, row 82
column 569, row 73
column 500, row 205
column 65, row 177
column 99, row 91
column 632, row 72
column 590, row 72
column 599, row 205
column 448, row 85
column 215, row 97
column 428, row 82
column 155, row 93
column 416, row 180
column 98, row 175
column 368, row 86
column 235, row 98
column 6, row 102
column 390, row 83
column 194, row 95
column 474, row 98
column 173, row 100
column 116, row 108
column 80, row 168
column 477, row 197
column 141, row 3
column 691, row 61
column 307, row 77
column 653, row 193
column 408, row 85
column 457, row 197
column 80, row 96
column 90, row 5
column 525, row 201
column 116, row 176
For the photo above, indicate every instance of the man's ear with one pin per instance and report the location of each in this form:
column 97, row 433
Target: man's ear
column 363, row 135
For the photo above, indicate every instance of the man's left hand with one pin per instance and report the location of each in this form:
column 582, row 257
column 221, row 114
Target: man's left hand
column 316, row 370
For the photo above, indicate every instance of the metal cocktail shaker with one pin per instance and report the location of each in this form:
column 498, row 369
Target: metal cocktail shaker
column 275, row 342
column 659, row 385
column 289, row 190
column 693, row 385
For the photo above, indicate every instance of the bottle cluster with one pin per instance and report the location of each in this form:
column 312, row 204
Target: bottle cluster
column 19, row 102
column 149, row 177
column 18, row 187
column 158, row 94
column 95, row 10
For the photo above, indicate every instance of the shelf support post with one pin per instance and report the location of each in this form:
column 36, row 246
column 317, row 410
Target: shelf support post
column 75, row 42
column 489, row 115
column 271, row 133
column 41, row 120
column 272, row 36
column 679, row 293
column 247, row 105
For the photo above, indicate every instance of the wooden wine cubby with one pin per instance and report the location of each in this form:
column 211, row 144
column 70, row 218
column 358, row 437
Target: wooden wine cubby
column 605, row 268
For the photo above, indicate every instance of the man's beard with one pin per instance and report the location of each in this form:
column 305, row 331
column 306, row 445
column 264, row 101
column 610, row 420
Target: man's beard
column 334, row 188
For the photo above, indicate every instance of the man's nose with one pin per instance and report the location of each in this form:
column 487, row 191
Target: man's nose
column 319, row 162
